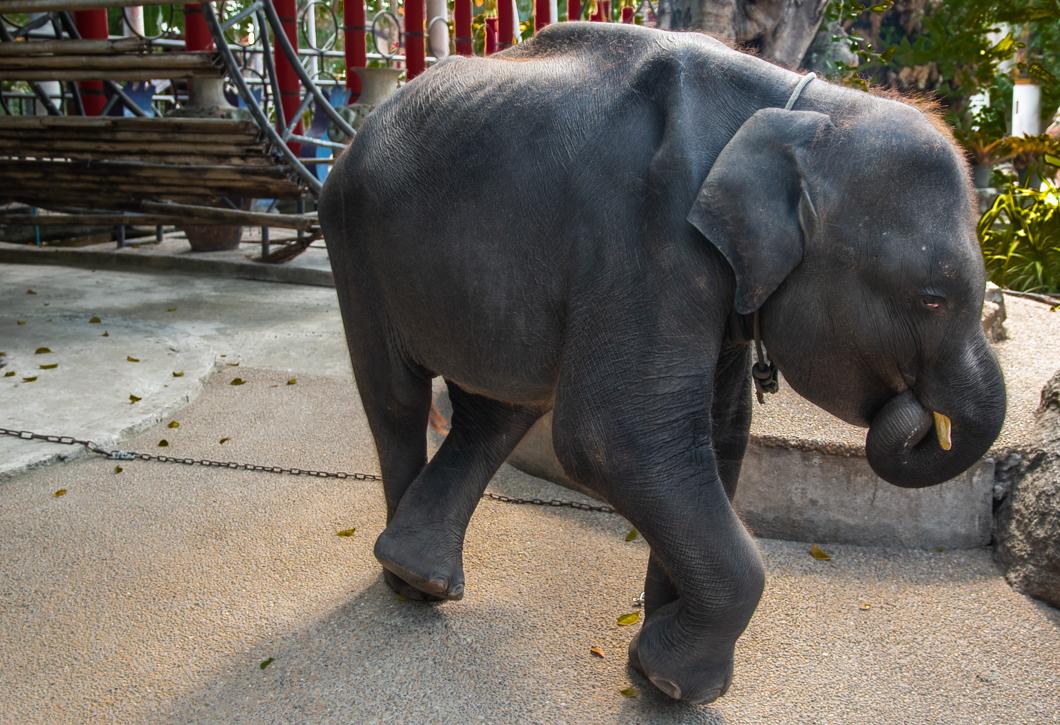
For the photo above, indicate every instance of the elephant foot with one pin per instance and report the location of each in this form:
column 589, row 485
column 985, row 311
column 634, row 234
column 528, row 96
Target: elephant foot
column 681, row 671
column 402, row 588
column 415, row 557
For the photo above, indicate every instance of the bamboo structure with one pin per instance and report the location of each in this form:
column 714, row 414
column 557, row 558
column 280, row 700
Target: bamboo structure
column 75, row 47
column 45, row 6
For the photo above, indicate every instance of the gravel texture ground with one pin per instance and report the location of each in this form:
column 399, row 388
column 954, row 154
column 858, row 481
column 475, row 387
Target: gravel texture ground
column 157, row 594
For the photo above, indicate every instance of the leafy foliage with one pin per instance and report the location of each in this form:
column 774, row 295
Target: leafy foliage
column 1020, row 237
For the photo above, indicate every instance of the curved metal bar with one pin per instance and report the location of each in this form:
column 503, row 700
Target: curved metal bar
column 71, row 30
column 252, row 103
column 375, row 35
column 292, row 57
column 269, row 62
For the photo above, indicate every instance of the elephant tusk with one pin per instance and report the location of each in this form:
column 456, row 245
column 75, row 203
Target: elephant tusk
column 942, row 430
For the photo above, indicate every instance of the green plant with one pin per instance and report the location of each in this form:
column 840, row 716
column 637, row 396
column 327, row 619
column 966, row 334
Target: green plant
column 1020, row 238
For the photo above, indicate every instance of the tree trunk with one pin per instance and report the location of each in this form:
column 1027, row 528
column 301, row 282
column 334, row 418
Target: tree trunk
column 778, row 30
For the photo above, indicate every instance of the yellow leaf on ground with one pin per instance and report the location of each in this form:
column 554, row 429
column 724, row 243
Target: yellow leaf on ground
column 292, row 381
column 134, row 398
column 864, row 606
column 224, row 440
column 60, row 492
column 598, row 651
column 163, row 443
column 20, row 322
column 49, row 366
column 266, row 662
column 9, row 374
column 171, row 309
column 629, row 692
column 105, row 334
column 118, row 469
column 30, row 292
column 627, row 619
column 178, row 373
column 631, row 535
column 94, row 320
column 42, row 351
column 819, row 554
column 173, row 424
column 29, row 379
column 130, row 358
column 347, row 533
column 237, row 381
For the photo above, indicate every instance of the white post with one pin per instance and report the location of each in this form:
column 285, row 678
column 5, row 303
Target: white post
column 1026, row 108
column 553, row 11
column 134, row 25
column 515, row 22
column 311, row 31
column 438, row 38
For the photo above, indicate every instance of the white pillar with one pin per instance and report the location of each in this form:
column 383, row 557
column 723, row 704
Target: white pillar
column 438, row 39
column 1026, row 108
column 516, row 36
column 311, row 31
column 553, row 11
column 134, row 21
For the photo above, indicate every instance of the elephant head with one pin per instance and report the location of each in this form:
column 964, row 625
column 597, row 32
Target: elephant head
column 854, row 241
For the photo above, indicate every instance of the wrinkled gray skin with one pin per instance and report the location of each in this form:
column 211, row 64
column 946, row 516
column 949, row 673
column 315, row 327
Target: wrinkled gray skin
column 583, row 224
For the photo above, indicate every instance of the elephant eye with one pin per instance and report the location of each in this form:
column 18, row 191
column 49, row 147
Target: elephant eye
column 932, row 302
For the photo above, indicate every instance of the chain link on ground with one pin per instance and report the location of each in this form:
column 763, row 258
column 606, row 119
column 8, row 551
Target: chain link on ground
column 120, row 455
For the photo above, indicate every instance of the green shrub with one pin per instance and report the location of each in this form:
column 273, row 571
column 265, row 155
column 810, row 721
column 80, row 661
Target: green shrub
column 1020, row 238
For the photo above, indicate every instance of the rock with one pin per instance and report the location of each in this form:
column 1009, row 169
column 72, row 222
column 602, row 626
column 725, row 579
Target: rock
column 1028, row 519
column 994, row 313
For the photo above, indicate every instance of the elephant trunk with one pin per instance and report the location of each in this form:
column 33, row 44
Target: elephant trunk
column 900, row 446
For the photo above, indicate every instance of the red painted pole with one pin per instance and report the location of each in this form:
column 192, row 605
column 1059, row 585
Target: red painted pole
column 354, row 26
column 606, row 10
column 627, row 15
column 505, row 22
column 491, row 36
column 599, row 14
column 196, row 34
column 542, row 13
column 462, row 23
column 92, row 25
column 286, row 78
column 415, row 57
column 574, row 10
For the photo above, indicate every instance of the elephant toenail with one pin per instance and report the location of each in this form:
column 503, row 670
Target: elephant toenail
column 709, row 696
column 457, row 592
column 669, row 687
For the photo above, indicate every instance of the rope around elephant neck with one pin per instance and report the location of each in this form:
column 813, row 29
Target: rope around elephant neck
column 764, row 372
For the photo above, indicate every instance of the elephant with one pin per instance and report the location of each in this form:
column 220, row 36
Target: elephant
column 598, row 222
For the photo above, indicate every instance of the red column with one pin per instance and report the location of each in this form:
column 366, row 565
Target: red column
column 285, row 75
column 599, row 14
column 541, row 14
column 505, row 20
column 462, row 23
column 354, row 27
column 92, row 25
column 627, row 15
column 491, row 36
column 606, row 10
column 574, row 10
column 415, row 57
column 196, row 34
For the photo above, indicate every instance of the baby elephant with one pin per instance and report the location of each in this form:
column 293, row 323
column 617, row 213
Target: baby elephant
column 590, row 223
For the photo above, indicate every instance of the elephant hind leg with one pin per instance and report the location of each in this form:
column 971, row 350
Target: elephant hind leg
column 423, row 543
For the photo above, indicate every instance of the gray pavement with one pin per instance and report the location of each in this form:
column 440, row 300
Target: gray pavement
column 156, row 593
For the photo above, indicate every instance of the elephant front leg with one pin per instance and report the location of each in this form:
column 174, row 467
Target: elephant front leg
column 652, row 454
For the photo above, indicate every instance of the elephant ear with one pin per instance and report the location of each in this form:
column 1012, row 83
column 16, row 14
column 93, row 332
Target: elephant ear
column 755, row 204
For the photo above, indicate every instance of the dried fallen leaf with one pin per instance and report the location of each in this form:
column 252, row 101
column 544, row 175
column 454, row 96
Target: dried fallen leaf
column 30, row 292
column 629, row 692
column 178, row 373
column 266, row 662
column 232, row 365
column 163, row 443
column 224, row 440
column 49, row 366
column 292, row 381
column 118, row 469
column 94, row 320
column 864, row 606
column 29, row 379
column 347, row 533
column 42, row 351
column 105, row 334
column 60, row 492
column 130, row 358
column 20, row 322
column 171, row 309
column 401, row 597
column 598, row 651
column 134, row 398
column 237, row 381
column 9, row 374
column 173, row 424
column 631, row 535
column 819, row 554
column 939, row 549
column 627, row 619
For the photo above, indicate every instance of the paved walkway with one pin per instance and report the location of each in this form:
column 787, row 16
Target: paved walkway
column 155, row 594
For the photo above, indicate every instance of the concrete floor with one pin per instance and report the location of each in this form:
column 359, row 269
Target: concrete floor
column 155, row 594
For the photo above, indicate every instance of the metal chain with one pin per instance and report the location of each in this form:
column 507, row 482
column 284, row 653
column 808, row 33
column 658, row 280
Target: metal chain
column 119, row 455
